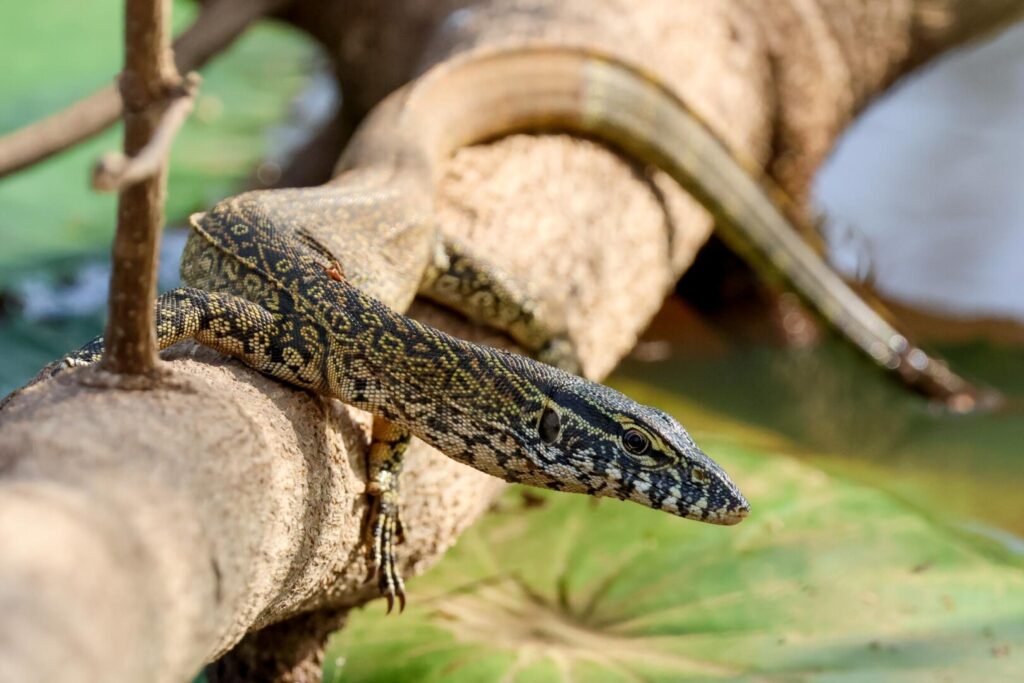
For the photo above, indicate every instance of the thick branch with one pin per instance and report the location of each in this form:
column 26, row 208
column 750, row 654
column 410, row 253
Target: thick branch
column 943, row 24
column 218, row 25
column 144, row 534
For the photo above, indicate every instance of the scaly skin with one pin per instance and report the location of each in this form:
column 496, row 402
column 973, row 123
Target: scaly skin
column 280, row 306
column 305, row 286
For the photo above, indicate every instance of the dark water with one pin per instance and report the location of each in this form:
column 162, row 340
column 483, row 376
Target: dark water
column 48, row 313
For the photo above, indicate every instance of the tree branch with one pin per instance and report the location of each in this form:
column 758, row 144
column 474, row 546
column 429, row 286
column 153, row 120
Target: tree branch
column 115, row 171
column 148, row 84
column 42, row 139
column 219, row 23
column 940, row 25
column 144, row 534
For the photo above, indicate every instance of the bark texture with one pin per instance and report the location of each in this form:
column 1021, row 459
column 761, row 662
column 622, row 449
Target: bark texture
column 143, row 534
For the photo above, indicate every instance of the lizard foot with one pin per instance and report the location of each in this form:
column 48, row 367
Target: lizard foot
column 386, row 531
column 384, row 464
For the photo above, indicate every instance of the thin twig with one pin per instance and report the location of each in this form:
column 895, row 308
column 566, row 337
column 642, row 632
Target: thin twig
column 219, row 23
column 148, row 85
column 115, row 171
column 42, row 139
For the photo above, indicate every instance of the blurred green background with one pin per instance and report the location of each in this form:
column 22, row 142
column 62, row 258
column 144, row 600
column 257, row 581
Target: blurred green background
column 886, row 536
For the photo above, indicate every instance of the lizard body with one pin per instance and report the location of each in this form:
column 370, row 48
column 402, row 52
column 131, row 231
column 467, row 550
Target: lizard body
column 305, row 285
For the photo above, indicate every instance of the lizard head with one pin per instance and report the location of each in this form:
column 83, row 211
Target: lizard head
column 613, row 446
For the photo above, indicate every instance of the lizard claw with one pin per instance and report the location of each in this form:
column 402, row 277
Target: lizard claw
column 386, row 529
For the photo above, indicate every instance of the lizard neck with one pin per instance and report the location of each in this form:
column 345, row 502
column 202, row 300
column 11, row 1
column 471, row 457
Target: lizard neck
column 477, row 404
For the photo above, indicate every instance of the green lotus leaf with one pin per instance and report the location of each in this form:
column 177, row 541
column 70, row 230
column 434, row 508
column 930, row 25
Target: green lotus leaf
column 828, row 580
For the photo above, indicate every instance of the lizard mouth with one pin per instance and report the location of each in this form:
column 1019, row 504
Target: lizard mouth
column 729, row 516
column 732, row 510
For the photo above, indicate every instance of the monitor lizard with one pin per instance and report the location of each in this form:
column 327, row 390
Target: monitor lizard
column 305, row 285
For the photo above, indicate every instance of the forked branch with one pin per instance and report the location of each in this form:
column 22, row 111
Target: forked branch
column 148, row 87
column 115, row 171
column 219, row 23
column 142, row 535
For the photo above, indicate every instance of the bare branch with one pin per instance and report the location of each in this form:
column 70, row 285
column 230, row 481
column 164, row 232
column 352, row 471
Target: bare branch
column 246, row 507
column 218, row 25
column 147, row 86
column 115, row 171
column 44, row 138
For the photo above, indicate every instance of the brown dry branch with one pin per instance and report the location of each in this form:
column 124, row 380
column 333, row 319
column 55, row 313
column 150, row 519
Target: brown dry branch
column 219, row 23
column 115, row 171
column 150, row 85
column 42, row 139
column 144, row 534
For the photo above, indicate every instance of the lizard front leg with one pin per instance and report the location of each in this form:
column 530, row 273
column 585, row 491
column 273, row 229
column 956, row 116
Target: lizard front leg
column 384, row 527
column 225, row 322
column 241, row 328
column 485, row 294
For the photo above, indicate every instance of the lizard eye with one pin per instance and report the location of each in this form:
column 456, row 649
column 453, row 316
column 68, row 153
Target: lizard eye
column 635, row 442
column 549, row 426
